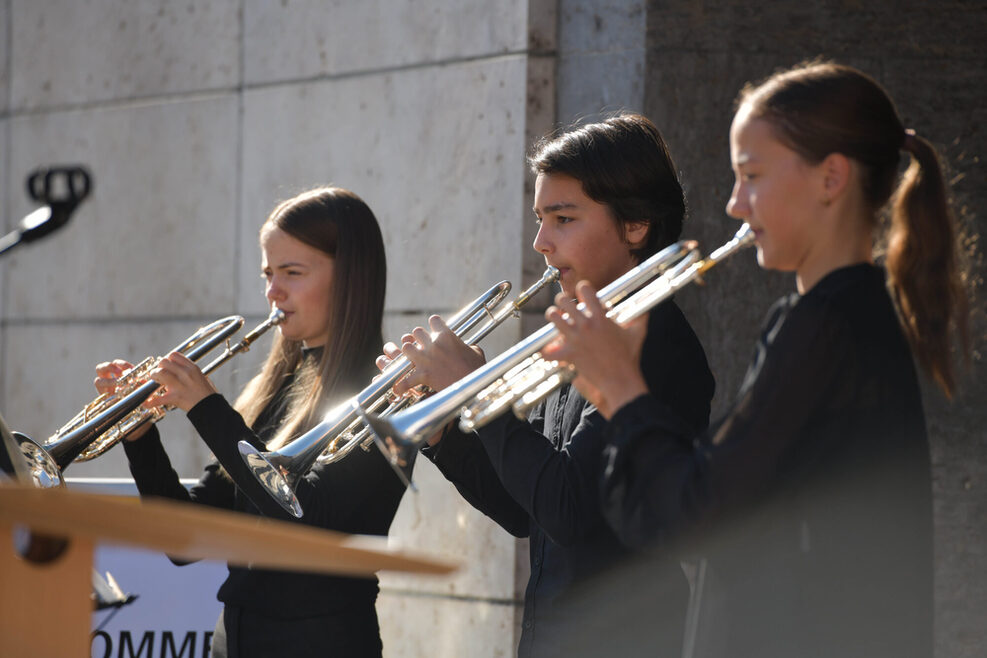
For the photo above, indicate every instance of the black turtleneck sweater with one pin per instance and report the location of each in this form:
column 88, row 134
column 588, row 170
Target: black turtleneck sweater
column 359, row 494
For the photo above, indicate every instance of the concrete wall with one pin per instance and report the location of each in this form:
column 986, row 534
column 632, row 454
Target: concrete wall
column 197, row 117
column 601, row 58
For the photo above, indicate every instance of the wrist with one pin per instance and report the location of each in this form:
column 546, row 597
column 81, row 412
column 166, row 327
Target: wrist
column 621, row 392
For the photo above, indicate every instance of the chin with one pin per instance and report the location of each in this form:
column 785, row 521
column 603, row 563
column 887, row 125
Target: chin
column 287, row 335
column 765, row 259
column 773, row 263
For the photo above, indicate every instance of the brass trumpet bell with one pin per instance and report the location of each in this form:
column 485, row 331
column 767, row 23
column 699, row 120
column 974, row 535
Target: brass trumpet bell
column 112, row 416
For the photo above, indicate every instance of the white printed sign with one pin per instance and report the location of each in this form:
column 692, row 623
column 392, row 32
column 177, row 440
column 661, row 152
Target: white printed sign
column 175, row 611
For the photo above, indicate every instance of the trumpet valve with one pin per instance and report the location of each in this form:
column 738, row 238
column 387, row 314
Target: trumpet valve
column 558, row 376
column 504, row 392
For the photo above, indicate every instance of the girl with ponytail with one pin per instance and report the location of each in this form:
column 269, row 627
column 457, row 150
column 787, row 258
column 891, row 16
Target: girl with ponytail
column 811, row 501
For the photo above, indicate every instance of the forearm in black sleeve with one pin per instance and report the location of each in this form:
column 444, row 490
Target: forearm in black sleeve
column 651, row 472
column 151, row 468
column 464, row 462
column 155, row 477
column 658, row 480
column 558, row 489
column 222, row 428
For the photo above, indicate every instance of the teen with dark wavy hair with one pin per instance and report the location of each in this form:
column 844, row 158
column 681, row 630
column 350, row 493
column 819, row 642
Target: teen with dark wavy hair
column 812, row 499
column 323, row 261
column 607, row 195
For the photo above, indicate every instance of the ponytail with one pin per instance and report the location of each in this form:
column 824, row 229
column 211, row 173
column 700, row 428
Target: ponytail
column 819, row 108
column 924, row 269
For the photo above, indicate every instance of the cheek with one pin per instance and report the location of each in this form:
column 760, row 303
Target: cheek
column 321, row 303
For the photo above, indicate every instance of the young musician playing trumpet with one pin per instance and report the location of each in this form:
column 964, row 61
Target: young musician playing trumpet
column 812, row 499
column 323, row 261
column 606, row 197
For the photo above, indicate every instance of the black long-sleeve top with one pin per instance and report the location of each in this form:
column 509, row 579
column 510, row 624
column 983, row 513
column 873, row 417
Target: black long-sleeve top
column 812, row 499
column 539, row 479
column 359, row 494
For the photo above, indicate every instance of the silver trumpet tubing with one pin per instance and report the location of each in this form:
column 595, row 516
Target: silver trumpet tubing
column 113, row 416
column 138, row 417
column 520, row 377
column 342, row 429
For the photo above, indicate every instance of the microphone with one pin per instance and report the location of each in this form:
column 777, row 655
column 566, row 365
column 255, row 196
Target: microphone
column 61, row 189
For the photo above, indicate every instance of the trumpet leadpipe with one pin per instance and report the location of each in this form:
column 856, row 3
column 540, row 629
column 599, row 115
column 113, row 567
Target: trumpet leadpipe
column 275, row 318
column 407, row 430
column 141, row 416
column 278, row 470
column 553, row 374
column 48, row 460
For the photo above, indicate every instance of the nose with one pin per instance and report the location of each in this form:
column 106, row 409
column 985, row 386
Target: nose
column 274, row 292
column 543, row 243
column 737, row 206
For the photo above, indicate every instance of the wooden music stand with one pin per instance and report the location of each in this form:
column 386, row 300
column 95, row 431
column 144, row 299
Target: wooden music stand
column 45, row 609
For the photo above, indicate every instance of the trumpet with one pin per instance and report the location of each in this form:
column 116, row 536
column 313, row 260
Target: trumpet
column 521, row 377
column 342, row 429
column 111, row 417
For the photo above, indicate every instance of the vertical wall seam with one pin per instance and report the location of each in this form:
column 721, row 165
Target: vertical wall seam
column 8, row 29
column 238, row 183
column 238, row 209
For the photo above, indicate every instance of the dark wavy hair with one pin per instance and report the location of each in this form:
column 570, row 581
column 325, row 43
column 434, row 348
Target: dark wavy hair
column 624, row 164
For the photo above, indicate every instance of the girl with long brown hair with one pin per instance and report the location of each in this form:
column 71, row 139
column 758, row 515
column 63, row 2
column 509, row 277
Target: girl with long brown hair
column 323, row 262
column 812, row 499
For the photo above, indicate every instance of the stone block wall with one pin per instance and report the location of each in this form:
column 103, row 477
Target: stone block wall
column 195, row 119
column 601, row 58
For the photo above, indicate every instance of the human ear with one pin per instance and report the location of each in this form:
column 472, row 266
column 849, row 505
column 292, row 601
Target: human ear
column 635, row 233
column 835, row 169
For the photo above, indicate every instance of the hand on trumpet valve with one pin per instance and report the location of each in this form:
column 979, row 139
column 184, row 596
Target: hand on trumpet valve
column 606, row 356
column 183, row 384
column 391, row 352
column 108, row 375
column 108, row 379
column 440, row 358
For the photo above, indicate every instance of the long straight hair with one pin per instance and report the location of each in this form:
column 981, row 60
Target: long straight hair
column 338, row 223
column 818, row 108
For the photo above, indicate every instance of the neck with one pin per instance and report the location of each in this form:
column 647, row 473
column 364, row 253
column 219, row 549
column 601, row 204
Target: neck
column 846, row 242
column 808, row 277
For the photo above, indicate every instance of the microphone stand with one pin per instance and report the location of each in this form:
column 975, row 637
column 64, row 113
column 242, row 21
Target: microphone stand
column 60, row 189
